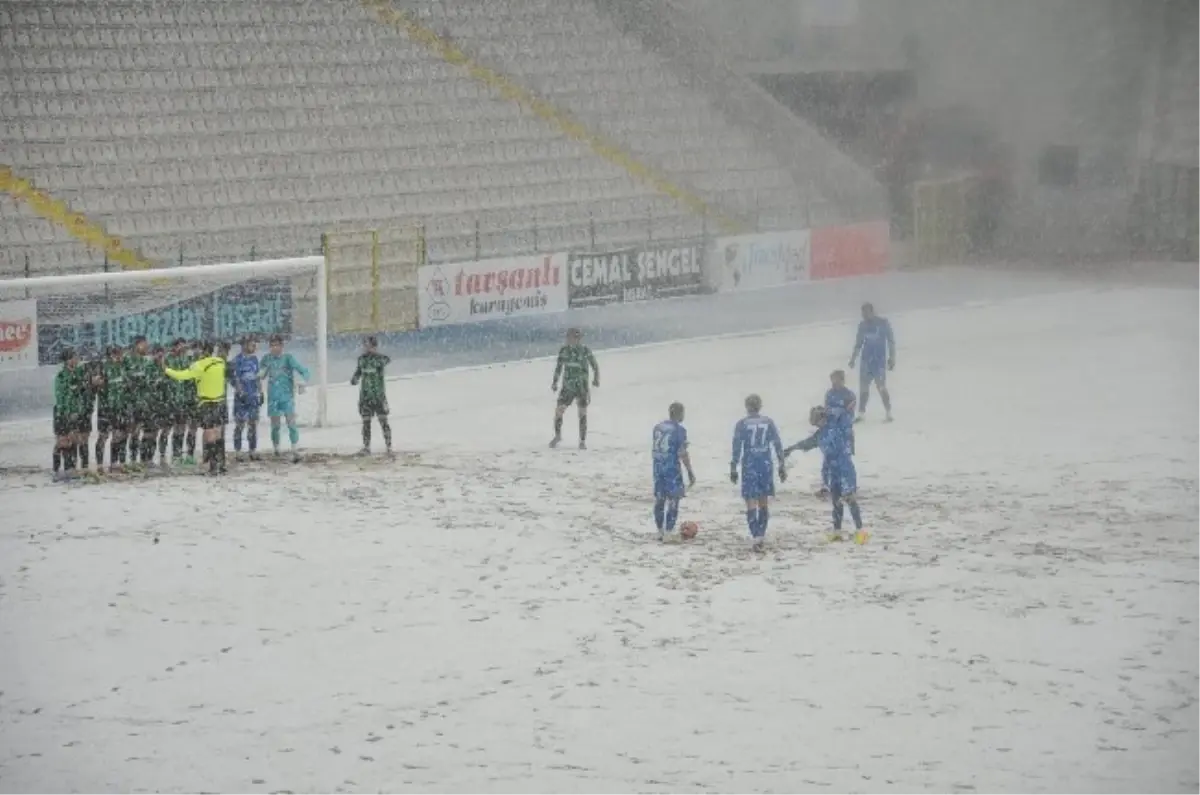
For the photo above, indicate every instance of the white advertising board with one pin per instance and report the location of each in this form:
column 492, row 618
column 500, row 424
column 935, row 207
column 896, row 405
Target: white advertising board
column 756, row 262
column 18, row 335
column 491, row 289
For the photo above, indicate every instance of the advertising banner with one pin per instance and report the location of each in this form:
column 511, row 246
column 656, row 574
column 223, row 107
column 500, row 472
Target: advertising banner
column 636, row 274
column 18, row 335
column 491, row 289
column 260, row 307
column 756, row 262
column 854, row 250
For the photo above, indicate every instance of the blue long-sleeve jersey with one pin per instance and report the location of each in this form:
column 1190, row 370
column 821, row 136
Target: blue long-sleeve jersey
column 754, row 437
column 243, row 374
column 875, row 343
column 840, row 402
column 833, row 439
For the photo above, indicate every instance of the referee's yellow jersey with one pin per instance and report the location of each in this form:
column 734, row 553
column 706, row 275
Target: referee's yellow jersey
column 209, row 375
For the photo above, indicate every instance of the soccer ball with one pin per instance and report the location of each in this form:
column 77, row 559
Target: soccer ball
column 688, row 530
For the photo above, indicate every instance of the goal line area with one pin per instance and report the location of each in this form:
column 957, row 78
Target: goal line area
column 92, row 314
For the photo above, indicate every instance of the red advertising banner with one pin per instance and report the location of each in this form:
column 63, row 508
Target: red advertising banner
column 855, row 250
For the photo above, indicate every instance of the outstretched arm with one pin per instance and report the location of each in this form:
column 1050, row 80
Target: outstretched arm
column 190, row 374
column 804, row 446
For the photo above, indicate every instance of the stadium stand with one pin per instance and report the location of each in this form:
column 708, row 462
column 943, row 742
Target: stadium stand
column 1180, row 125
column 204, row 130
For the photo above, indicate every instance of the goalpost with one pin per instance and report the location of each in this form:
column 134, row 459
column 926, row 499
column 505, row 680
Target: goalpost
column 87, row 312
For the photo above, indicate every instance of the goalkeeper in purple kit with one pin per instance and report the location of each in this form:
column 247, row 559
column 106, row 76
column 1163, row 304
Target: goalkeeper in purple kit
column 877, row 347
column 754, row 438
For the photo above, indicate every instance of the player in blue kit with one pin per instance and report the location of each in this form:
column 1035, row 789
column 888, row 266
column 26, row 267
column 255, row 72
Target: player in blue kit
column 839, row 404
column 833, row 438
column 877, row 346
column 669, row 452
column 754, row 437
column 279, row 369
column 247, row 398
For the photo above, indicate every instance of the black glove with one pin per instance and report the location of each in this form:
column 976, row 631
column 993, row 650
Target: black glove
column 554, row 387
column 733, row 475
column 782, row 474
column 891, row 364
column 596, row 383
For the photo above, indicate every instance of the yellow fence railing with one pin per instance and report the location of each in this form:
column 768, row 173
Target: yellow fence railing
column 76, row 224
column 372, row 279
column 941, row 220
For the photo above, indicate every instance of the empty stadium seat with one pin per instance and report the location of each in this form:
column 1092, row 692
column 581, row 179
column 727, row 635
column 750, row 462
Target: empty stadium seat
column 205, row 126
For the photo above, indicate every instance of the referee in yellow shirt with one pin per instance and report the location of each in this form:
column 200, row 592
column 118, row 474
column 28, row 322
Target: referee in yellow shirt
column 209, row 374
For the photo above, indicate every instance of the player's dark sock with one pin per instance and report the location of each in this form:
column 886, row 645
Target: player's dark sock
column 177, row 443
column 221, row 454
column 191, row 444
column 752, row 520
column 117, row 451
column 252, row 436
column 237, row 436
column 386, row 427
column 82, row 452
column 148, row 448
column 100, row 452
column 764, row 516
column 583, row 428
column 887, row 400
column 68, row 456
column 164, row 439
column 838, row 512
column 366, row 433
column 660, row 513
column 856, row 515
column 208, row 454
column 863, row 396
column 558, row 427
column 671, row 515
column 57, row 458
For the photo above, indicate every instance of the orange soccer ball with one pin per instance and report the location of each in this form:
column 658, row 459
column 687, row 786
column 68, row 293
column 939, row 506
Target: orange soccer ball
column 688, row 530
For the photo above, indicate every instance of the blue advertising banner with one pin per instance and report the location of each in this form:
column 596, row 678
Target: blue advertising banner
column 254, row 308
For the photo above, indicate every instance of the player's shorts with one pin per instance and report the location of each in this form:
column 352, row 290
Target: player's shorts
column 211, row 414
column 843, row 478
column 872, row 372
column 668, row 483
column 246, row 407
column 571, row 394
column 758, row 483
column 372, row 407
column 280, row 405
column 110, row 420
column 67, row 424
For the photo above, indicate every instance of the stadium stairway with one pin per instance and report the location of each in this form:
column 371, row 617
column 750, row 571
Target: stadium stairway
column 59, row 214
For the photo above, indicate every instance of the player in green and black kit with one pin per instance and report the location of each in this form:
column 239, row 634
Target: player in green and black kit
column 112, row 410
column 575, row 360
column 372, row 393
column 70, row 405
column 162, row 413
column 183, row 403
column 139, row 377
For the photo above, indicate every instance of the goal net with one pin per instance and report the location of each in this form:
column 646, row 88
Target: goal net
column 41, row 317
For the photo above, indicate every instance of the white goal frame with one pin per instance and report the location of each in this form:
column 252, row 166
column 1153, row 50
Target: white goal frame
column 296, row 265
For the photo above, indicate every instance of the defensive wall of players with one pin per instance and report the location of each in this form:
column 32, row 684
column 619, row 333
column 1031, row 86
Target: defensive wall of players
column 371, row 290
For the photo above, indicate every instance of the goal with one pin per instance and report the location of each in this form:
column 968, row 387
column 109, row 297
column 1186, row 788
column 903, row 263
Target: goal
column 41, row 316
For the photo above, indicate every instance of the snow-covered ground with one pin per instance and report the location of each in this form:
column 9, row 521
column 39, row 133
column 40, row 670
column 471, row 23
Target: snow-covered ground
column 489, row 615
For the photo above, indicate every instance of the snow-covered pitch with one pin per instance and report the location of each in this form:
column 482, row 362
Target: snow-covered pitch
column 485, row 614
